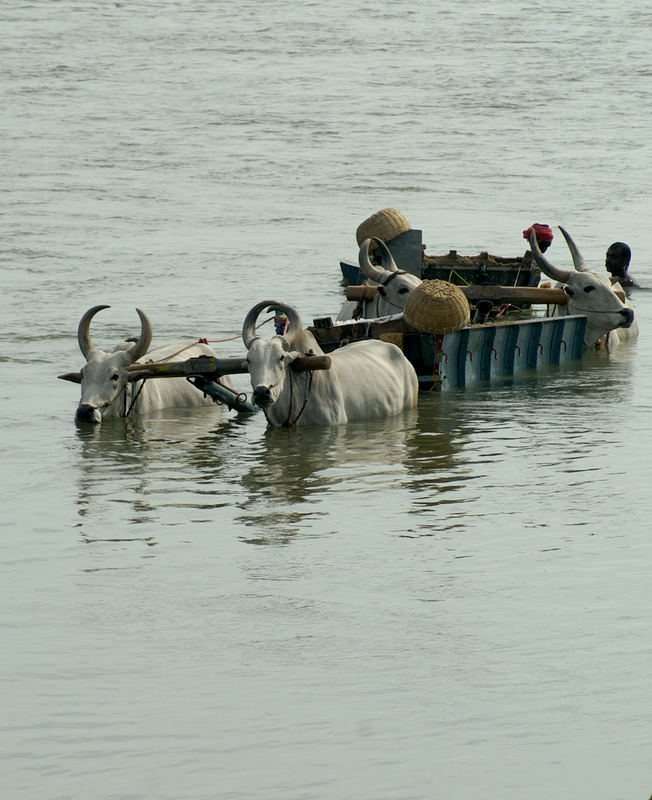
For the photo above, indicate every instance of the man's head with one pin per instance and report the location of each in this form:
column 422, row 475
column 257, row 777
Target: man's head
column 543, row 233
column 617, row 258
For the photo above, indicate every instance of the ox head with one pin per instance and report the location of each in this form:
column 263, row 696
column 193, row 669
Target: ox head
column 268, row 360
column 395, row 284
column 589, row 293
column 105, row 374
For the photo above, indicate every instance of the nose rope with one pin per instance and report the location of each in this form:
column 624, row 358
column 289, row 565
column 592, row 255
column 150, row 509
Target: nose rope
column 289, row 423
column 135, row 396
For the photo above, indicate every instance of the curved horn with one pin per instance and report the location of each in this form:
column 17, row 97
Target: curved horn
column 545, row 266
column 386, row 256
column 84, row 331
column 578, row 259
column 142, row 345
column 370, row 270
column 249, row 324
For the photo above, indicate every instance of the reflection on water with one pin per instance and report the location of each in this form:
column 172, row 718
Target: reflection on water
column 460, row 459
column 132, row 469
column 297, row 476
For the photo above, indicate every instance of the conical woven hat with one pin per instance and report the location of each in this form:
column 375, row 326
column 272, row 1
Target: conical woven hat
column 386, row 225
column 437, row 307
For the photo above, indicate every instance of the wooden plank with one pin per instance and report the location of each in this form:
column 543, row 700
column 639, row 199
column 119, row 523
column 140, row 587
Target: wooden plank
column 201, row 365
column 208, row 365
column 546, row 295
column 515, row 294
column 363, row 292
column 499, row 294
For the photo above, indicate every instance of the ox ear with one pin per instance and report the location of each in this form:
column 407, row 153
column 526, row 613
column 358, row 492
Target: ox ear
column 73, row 377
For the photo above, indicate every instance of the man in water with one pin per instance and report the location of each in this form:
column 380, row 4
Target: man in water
column 542, row 232
column 617, row 261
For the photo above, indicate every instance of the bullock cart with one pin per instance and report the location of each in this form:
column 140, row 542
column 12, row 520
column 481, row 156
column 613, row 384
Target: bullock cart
column 484, row 350
column 407, row 249
column 478, row 352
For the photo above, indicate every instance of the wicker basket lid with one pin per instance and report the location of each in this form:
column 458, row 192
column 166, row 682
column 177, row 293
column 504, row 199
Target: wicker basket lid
column 437, row 307
column 386, row 225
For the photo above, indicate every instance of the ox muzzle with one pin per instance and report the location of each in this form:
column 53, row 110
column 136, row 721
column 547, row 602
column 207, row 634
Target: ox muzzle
column 87, row 413
column 262, row 396
column 628, row 317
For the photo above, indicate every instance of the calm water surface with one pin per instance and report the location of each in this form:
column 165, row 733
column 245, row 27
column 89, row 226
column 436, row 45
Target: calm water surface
column 452, row 603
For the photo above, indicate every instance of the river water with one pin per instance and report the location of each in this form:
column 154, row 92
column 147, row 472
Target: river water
column 452, row 603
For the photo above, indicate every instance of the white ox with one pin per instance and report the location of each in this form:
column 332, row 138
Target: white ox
column 107, row 387
column 591, row 294
column 394, row 285
column 366, row 379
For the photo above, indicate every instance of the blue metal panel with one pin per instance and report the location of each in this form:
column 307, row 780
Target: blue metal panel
column 533, row 345
column 548, row 344
column 461, row 356
column 479, row 348
column 555, row 340
column 578, row 324
column 521, row 348
column 504, row 349
column 482, row 352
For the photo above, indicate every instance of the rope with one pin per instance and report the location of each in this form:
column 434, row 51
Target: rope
column 204, row 341
column 392, row 276
column 289, row 422
column 134, row 397
column 238, row 336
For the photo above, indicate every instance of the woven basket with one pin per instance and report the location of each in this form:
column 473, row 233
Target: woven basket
column 386, row 225
column 437, row 307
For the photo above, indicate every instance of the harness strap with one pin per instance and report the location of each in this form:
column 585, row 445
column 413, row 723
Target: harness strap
column 289, row 422
column 392, row 276
column 134, row 397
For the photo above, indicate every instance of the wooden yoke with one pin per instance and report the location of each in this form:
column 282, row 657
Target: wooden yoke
column 363, row 292
column 311, row 363
column 211, row 366
column 206, row 366
column 200, row 365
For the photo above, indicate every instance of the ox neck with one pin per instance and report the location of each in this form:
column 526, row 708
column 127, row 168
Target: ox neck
column 292, row 400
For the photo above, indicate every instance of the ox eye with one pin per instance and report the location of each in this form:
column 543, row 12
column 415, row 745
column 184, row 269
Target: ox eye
column 588, row 289
column 115, row 376
column 403, row 290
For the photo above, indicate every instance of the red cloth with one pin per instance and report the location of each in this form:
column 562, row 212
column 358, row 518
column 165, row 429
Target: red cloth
column 542, row 232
